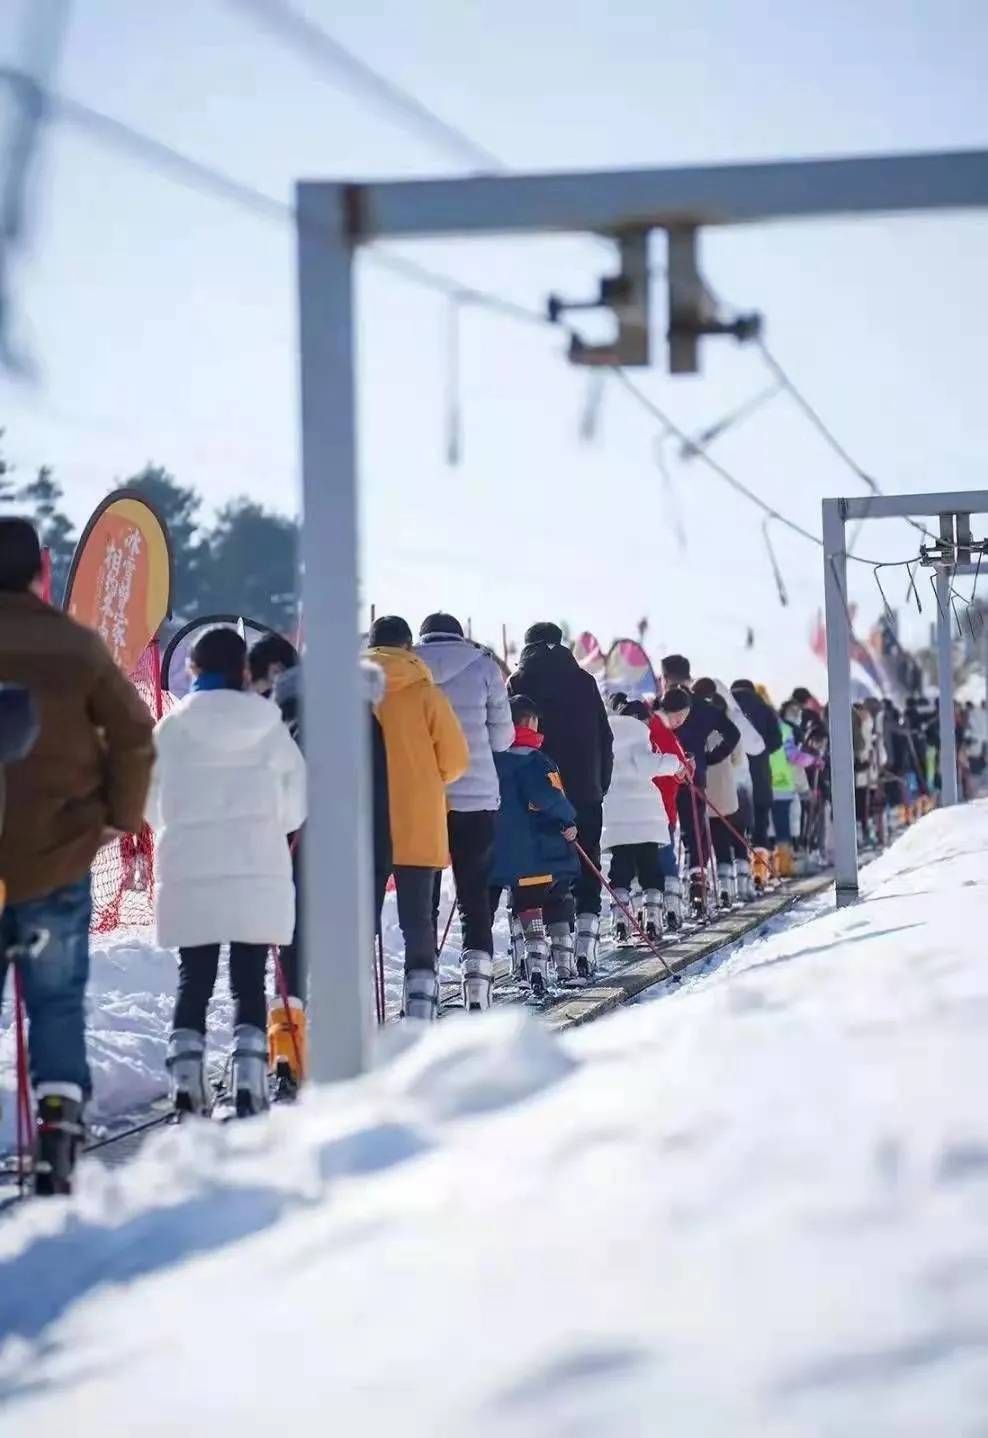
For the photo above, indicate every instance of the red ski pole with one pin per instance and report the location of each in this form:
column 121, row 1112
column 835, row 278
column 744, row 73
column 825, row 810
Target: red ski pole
column 625, row 910
column 725, row 821
column 24, row 1144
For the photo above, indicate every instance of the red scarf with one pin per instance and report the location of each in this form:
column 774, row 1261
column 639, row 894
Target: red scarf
column 526, row 738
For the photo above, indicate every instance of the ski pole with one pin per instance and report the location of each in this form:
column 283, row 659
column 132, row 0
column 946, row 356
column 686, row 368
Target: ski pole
column 724, row 820
column 379, row 992
column 625, row 910
column 23, row 1084
column 698, row 841
column 281, row 984
column 449, row 920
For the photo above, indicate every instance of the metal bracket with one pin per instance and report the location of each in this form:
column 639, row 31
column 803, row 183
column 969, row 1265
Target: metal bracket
column 692, row 310
column 627, row 295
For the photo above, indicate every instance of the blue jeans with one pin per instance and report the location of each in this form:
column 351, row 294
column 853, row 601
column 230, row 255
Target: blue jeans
column 782, row 820
column 48, row 938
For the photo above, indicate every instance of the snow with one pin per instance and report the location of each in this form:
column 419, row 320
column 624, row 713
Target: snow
column 754, row 1205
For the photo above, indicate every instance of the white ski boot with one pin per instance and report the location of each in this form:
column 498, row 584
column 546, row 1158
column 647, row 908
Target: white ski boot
column 672, row 902
column 519, row 956
column 537, row 956
column 421, row 995
column 478, row 980
column 587, row 937
column 561, row 942
column 185, row 1062
column 250, row 1070
column 746, row 884
column 726, row 884
column 620, row 927
column 653, row 914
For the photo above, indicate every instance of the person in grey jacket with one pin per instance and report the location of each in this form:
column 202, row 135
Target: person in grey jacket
column 472, row 681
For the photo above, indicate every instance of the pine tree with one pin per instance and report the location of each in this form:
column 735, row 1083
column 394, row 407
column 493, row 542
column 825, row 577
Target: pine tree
column 253, row 567
column 179, row 507
column 43, row 495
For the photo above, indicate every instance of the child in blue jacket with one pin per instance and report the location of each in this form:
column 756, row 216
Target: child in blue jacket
column 534, row 854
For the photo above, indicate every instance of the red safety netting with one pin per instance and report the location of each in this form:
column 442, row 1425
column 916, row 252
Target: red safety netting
column 123, row 872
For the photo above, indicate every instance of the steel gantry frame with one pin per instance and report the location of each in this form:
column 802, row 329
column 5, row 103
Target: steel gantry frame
column 333, row 221
column 954, row 513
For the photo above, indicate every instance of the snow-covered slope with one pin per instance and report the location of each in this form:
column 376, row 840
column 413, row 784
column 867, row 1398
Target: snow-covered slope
column 758, row 1205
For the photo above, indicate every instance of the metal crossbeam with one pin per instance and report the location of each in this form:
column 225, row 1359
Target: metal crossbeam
column 612, row 201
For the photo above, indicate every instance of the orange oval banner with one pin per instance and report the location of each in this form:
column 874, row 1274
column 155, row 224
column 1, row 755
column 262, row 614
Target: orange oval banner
column 120, row 580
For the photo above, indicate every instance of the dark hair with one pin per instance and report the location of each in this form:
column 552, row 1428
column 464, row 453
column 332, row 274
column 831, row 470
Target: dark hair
column 676, row 667
column 801, row 695
column 618, row 701
column 271, row 649
column 440, row 623
column 389, row 632
column 20, row 555
column 523, row 708
column 675, row 699
column 544, row 633
column 742, row 684
column 635, row 709
column 222, row 651
column 704, row 688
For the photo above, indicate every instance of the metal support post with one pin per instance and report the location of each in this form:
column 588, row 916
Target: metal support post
column 336, row 846
column 839, row 692
column 945, row 674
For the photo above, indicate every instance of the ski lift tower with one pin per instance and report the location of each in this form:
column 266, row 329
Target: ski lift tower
column 948, row 557
column 333, row 221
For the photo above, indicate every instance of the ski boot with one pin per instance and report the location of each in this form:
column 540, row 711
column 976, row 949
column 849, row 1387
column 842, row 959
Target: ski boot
column 421, row 995
column 761, row 870
column 287, row 1048
column 519, row 957
column 698, row 894
column 587, row 937
column 672, row 902
column 746, row 884
column 726, row 885
column 620, row 927
column 561, row 943
column 652, row 914
column 185, row 1063
column 478, row 980
column 250, row 1070
column 60, row 1133
column 537, row 955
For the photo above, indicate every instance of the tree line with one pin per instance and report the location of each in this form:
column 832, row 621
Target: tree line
column 243, row 561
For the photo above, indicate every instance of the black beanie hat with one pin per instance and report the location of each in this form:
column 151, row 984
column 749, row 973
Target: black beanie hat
column 544, row 633
column 440, row 623
column 390, row 631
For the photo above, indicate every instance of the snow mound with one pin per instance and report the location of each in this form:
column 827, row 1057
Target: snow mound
column 756, row 1205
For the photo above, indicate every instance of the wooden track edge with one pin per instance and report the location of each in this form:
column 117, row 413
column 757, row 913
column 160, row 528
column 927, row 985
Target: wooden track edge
column 645, row 972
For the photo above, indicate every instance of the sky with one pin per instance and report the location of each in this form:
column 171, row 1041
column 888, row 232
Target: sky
column 163, row 321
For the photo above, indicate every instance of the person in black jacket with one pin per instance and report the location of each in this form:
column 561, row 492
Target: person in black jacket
column 765, row 722
column 578, row 736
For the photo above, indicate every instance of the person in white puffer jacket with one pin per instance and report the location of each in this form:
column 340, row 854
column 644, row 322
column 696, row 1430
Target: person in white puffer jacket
column 228, row 788
column 472, row 681
column 636, row 829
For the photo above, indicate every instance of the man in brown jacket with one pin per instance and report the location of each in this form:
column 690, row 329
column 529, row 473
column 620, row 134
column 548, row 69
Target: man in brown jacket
column 84, row 781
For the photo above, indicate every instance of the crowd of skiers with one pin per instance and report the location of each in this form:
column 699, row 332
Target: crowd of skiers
column 523, row 783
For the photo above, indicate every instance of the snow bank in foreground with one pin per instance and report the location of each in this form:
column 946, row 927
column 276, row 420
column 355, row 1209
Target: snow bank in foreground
column 758, row 1205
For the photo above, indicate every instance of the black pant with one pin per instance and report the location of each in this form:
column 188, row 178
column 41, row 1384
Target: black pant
column 471, row 848
column 728, row 845
column 292, row 956
column 414, row 890
column 197, row 968
column 631, row 861
column 586, row 888
column 554, row 900
column 692, row 823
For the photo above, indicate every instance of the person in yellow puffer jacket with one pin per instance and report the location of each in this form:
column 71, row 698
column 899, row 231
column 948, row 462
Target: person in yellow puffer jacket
column 426, row 750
